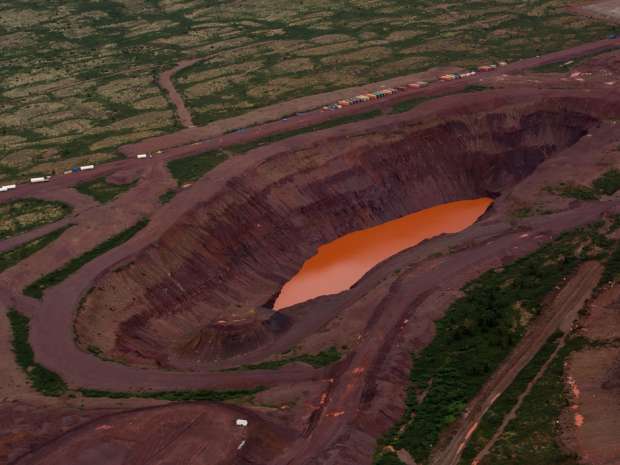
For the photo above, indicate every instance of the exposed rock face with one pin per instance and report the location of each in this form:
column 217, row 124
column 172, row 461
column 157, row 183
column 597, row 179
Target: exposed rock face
column 208, row 273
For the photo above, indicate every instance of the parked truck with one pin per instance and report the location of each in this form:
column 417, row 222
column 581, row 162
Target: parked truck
column 40, row 179
column 87, row 167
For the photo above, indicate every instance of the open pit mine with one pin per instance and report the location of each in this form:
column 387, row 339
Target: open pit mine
column 426, row 275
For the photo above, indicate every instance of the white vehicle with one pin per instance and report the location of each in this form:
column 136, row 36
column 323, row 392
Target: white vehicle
column 9, row 187
column 87, row 167
column 141, row 155
column 241, row 422
column 40, row 179
column 3, row 189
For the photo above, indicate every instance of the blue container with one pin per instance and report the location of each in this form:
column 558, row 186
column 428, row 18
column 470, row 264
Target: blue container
column 75, row 170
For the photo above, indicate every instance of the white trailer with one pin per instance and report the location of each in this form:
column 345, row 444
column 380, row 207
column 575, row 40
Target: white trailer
column 40, row 179
column 9, row 187
column 87, row 167
column 141, row 155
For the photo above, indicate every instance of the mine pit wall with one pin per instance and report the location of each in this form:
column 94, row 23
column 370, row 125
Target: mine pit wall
column 182, row 295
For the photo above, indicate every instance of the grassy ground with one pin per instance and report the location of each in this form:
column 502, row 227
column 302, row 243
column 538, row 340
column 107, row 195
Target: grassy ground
column 37, row 288
column 79, row 76
column 177, row 396
column 476, row 334
column 167, row 196
column 492, row 420
column 190, row 169
column 322, row 359
column 43, row 380
column 103, row 191
column 530, row 439
column 14, row 256
column 606, row 184
column 19, row 216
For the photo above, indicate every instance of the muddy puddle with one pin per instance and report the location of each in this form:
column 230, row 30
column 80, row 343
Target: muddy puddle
column 339, row 264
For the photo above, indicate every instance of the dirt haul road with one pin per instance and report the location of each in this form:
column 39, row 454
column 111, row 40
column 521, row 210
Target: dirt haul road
column 197, row 140
column 310, row 115
column 52, row 319
column 557, row 316
column 52, row 334
column 341, row 408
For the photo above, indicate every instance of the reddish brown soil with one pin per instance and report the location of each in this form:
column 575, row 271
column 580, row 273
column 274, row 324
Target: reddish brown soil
column 276, row 112
column 198, row 277
column 200, row 434
column 399, row 299
column 591, row 424
column 165, row 81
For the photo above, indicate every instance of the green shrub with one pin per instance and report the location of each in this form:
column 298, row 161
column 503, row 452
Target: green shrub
column 176, row 396
column 19, row 216
column 167, row 196
column 12, row 257
column 530, row 438
column 474, row 337
column 608, row 183
column 190, row 169
column 574, row 191
column 493, row 418
column 103, row 191
column 43, row 380
column 57, row 276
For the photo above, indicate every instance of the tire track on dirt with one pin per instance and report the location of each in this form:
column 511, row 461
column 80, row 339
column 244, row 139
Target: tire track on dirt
column 559, row 315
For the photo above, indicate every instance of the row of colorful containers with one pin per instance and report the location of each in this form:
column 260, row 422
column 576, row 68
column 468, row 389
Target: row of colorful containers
column 385, row 92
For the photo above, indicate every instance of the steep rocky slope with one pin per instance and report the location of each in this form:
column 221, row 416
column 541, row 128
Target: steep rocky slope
column 198, row 292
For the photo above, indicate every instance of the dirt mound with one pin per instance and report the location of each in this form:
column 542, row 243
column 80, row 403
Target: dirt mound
column 197, row 433
column 223, row 339
column 236, row 249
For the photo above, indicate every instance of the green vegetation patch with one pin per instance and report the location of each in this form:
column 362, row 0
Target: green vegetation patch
column 19, row 216
column 612, row 266
column 476, row 334
column 12, row 257
column 322, row 359
column 103, row 191
column 573, row 191
column 494, row 417
column 242, row 148
column 57, row 276
column 606, row 184
column 564, row 66
column 190, row 169
column 410, row 104
column 167, row 196
column 176, row 396
column 530, row 438
column 43, row 380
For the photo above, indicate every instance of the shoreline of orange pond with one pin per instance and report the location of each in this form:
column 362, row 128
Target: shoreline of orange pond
column 339, row 264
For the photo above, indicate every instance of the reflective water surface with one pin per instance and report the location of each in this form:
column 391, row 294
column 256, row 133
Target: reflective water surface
column 339, row 264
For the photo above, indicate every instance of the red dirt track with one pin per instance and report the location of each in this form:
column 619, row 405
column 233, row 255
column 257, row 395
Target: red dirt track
column 403, row 284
